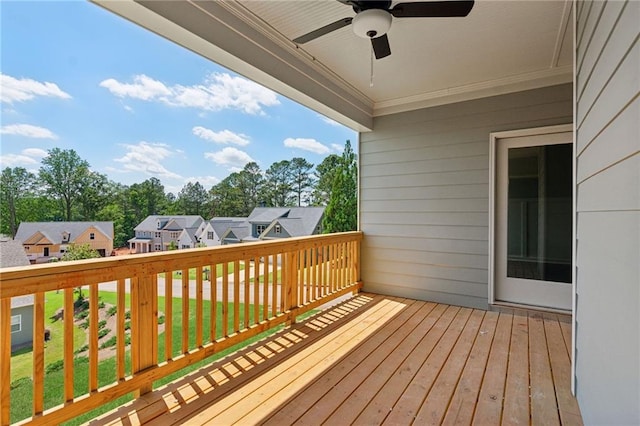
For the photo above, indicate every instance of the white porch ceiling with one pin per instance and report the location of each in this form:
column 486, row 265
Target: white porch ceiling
column 501, row 47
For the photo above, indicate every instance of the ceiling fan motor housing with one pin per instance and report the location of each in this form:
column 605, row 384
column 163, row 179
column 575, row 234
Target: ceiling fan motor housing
column 371, row 23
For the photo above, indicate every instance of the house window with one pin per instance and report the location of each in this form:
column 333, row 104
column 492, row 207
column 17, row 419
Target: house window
column 186, row 246
column 158, row 247
column 277, row 229
column 175, row 234
column 16, row 323
column 158, row 234
column 26, row 248
column 92, row 236
column 210, row 235
column 260, row 229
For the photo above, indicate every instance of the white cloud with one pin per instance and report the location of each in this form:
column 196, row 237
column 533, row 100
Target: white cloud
column 24, row 89
column 337, row 148
column 28, row 130
column 219, row 91
column 222, row 137
column 230, row 157
column 307, row 145
column 146, row 157
column 35, row 152
column 27, row 157
column 206, row 181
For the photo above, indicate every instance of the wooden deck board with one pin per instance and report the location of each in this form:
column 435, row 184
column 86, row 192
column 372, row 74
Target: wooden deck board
column 378, row 359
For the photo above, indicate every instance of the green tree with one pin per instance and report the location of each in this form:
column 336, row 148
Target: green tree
column 250, row 182
column 226, row 197
column 325, row 173
column 301, row 179
column 79, row 252
column 193, row 199
column 65, row 176
column 278, row 184
column 341, row 213
column 16, row 189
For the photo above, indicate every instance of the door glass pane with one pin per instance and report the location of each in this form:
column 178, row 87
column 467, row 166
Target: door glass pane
column 539, row 216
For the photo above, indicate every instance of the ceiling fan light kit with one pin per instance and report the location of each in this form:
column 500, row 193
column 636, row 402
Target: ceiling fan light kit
column 371, row 23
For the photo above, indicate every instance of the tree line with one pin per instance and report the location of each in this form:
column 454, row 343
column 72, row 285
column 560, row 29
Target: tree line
column 66, row 189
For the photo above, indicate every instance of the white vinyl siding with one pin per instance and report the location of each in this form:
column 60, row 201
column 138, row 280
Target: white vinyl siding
column 424, row 193
column 608, row 212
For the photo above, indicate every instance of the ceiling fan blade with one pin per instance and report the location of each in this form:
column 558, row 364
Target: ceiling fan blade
column 381, row 46
column 432, row 9
column 323, row 30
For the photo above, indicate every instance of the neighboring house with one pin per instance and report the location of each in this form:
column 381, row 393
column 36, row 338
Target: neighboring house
column 159, row 233
column 216, row 227
column 266, row 223
column 12, row 254
column 43, row 241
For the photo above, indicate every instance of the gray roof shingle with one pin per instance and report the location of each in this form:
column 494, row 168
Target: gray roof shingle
column 53, row 230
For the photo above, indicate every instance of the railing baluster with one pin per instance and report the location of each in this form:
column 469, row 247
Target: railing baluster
column 256, row 289
column 120, row 332
column 67, row 319
column 265, row 289
column 38, row 353
column 247, row 276
column 5, row 360
column 168, row 315
column 93, row 337
column 199, row 306
column 185, row 311
column 225, row 299
column 274, row 285
column 213, row 281
column 236, row 296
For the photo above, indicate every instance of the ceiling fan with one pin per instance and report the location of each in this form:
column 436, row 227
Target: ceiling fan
column 373, row 19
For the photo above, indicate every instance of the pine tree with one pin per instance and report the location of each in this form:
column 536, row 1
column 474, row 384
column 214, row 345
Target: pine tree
column 341, row 214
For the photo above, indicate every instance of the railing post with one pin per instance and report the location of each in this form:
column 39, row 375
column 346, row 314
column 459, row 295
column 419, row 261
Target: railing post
column 144, row 326
column 5, row 361
column 290, row 282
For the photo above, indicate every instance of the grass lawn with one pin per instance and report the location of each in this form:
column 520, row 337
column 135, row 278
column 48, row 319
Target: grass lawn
column 21, row 392
column 192, row 271
column 22, row 361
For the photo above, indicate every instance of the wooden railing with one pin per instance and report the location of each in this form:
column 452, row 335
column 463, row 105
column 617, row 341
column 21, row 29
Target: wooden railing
column 271, row 284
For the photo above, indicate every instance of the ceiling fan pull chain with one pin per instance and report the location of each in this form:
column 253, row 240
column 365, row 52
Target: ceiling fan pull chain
column 371, row 72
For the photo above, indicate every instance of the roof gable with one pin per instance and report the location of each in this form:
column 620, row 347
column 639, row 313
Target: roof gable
column 54, row 231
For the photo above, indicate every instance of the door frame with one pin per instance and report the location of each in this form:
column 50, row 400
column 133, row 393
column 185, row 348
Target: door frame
column 493, row 142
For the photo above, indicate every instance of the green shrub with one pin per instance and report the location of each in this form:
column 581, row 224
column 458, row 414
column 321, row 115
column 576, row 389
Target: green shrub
column 103, row 333
column 101, row 305
column 111, row 341
column 161, row 319
column 84, row 325
column 81, row 349
column 112, row 310
column 82, row 314
column 22, row 381
column 54, row 366
column 102, row 324
column 127, row 315
column 127, row 325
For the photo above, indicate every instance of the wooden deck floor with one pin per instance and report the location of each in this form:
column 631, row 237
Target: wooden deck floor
column 382, row 360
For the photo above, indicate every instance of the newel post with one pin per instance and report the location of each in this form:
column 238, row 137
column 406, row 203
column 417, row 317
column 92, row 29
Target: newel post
column 144, row 325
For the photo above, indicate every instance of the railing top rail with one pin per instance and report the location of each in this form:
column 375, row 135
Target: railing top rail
column 19, row 281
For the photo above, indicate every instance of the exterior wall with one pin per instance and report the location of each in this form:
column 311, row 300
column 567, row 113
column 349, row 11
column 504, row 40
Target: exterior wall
column 608, row 212
column 25, row 335
column 424, row 193
column 100, row 241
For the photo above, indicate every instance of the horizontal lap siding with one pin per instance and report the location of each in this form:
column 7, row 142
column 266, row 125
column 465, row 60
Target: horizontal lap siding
column 424, row 193
column 608, row 212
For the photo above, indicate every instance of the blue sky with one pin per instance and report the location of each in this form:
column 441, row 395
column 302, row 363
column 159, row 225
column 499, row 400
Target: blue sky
column 135, row 105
